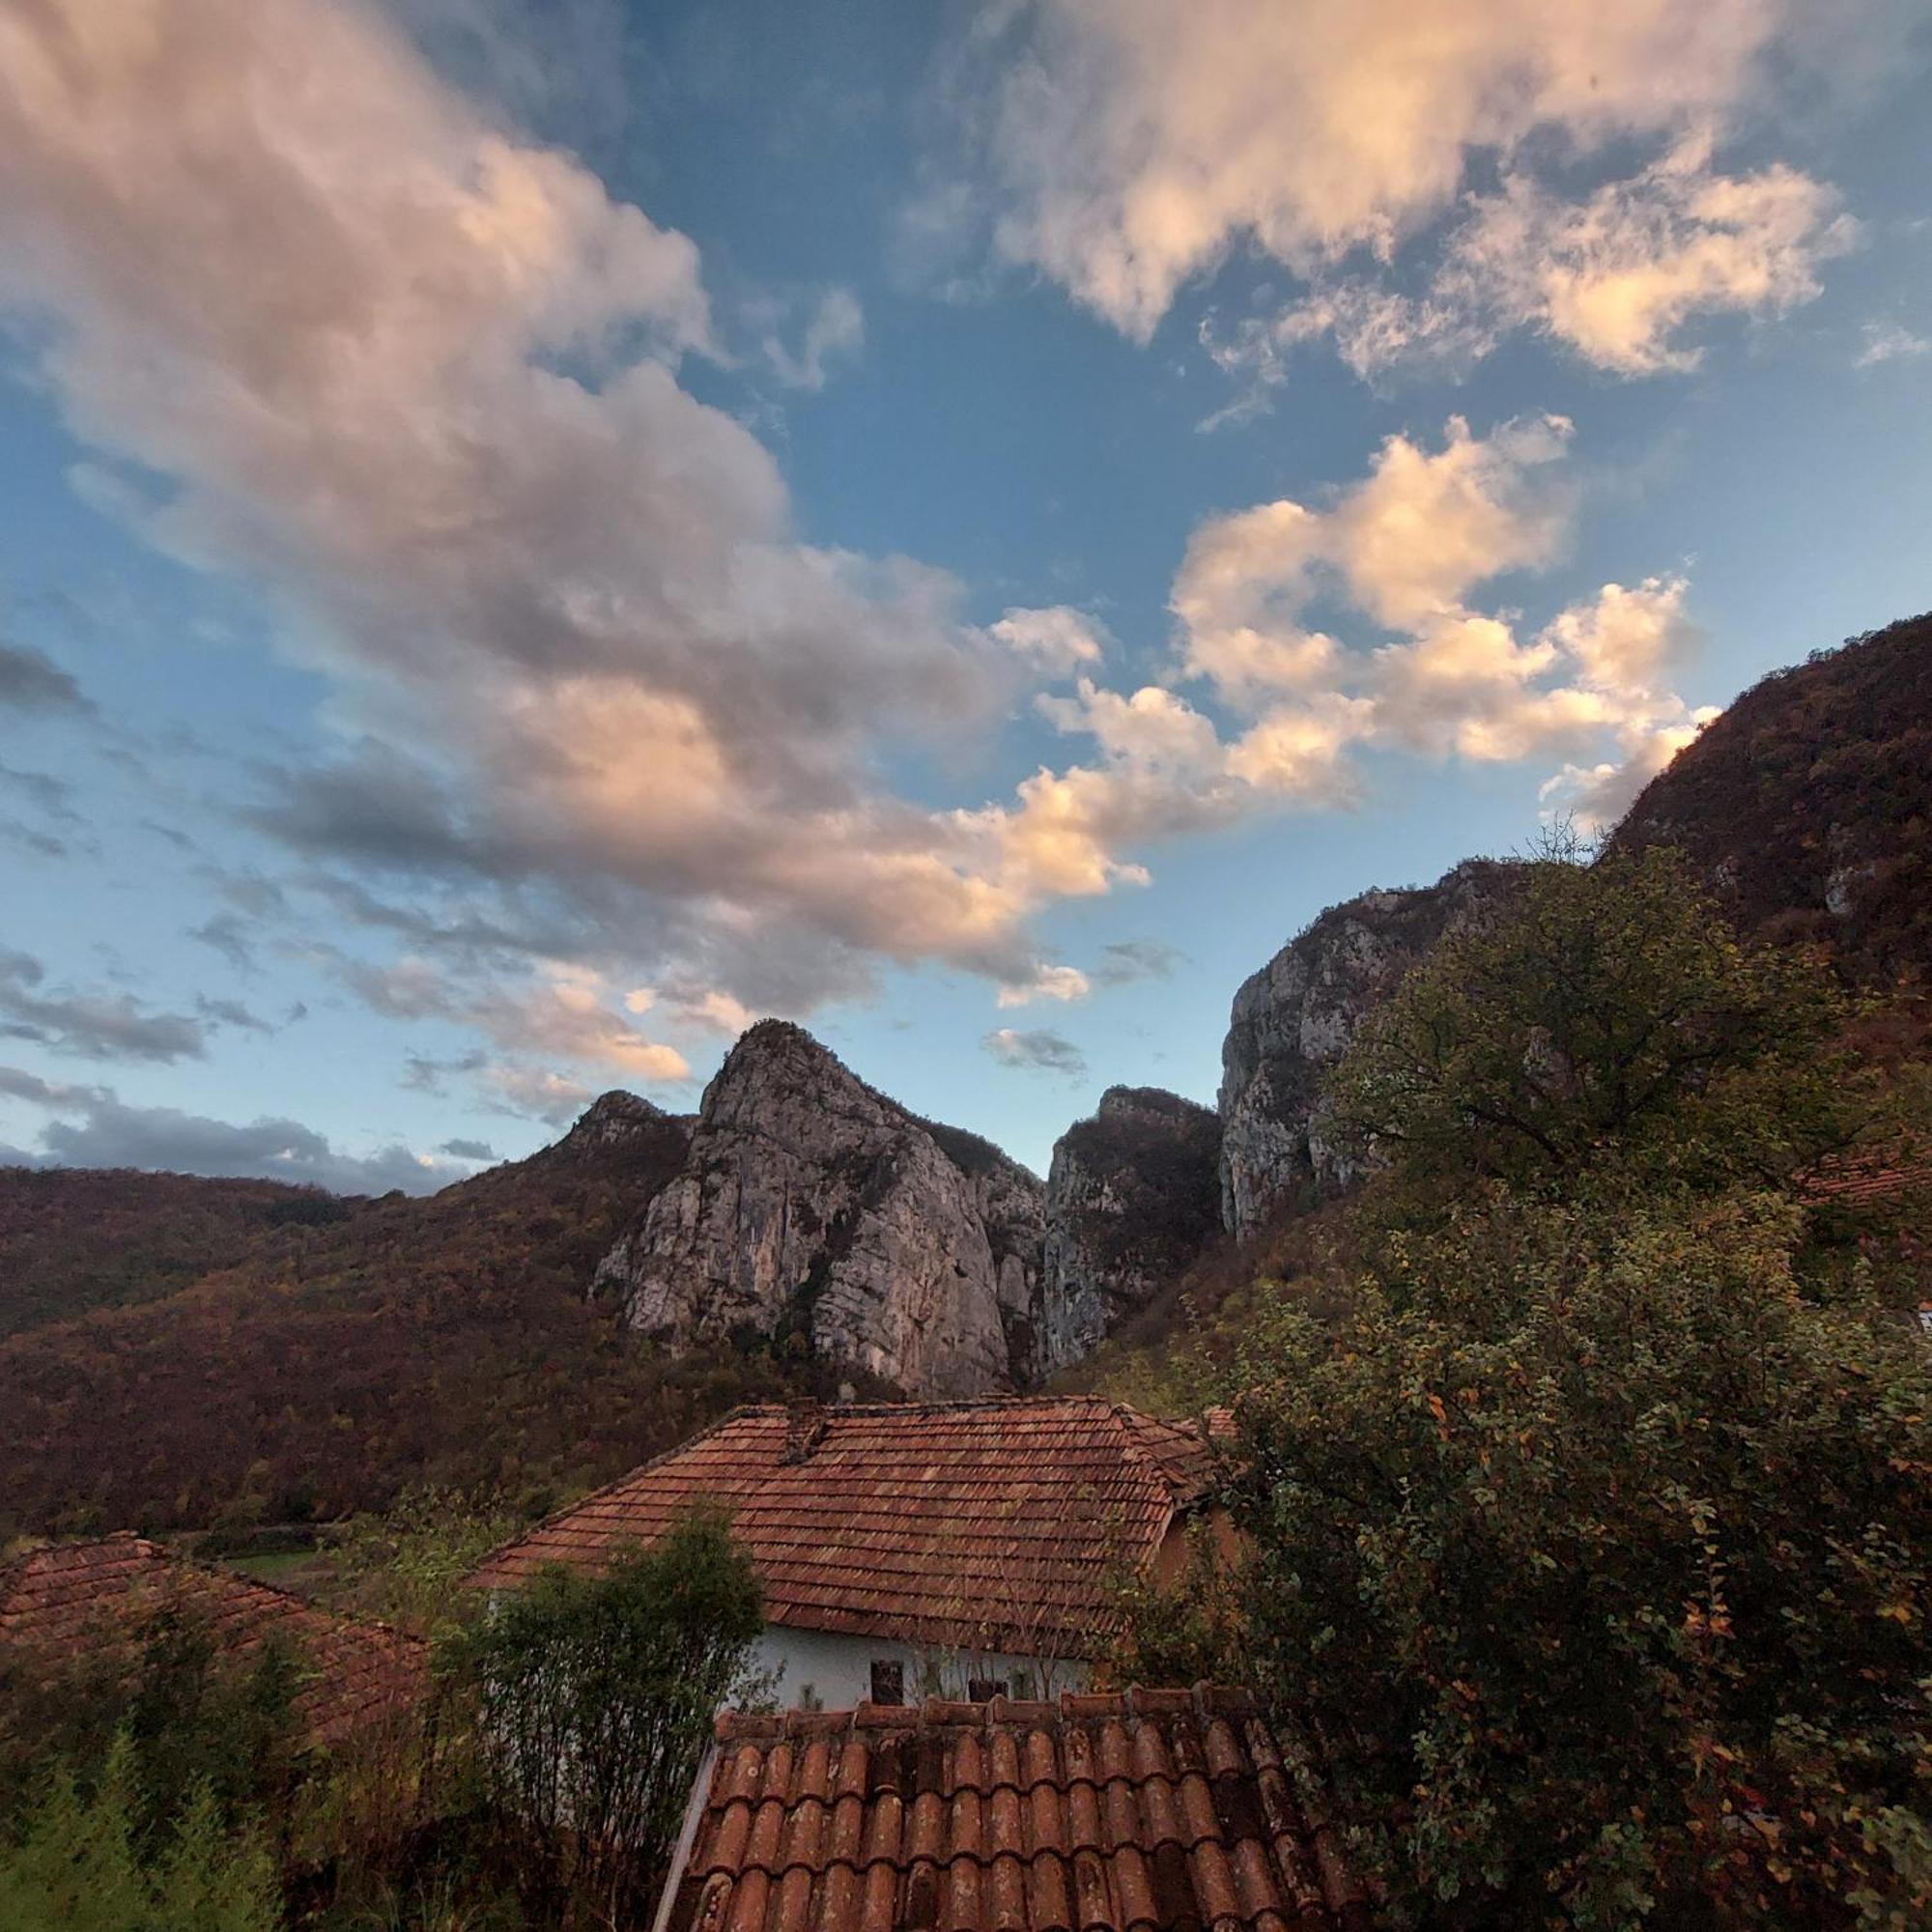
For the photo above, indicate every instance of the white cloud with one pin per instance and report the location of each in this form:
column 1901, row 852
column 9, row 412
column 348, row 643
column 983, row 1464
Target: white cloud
column 90, row 1023
column 1629, row 640
column 565, row 1015
column 1136, row 142
column 1050, row 983
column 704, row 1010
column 1131, row 146
column 1404, row 545
column 539, row 1091
column 92, row 1126
column 835, row 332
column 1406, row 548
column 1890, row 341
column 1056, row 639
column 1616, row 277
column 419, row 379
column 561, row 1011
column 1595, row 797
column 1041, row 1051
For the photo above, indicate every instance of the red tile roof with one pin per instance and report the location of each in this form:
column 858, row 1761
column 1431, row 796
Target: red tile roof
column 1152, row 1811
column 996, row 1525
column 1861, row 1179
column 57, row 1601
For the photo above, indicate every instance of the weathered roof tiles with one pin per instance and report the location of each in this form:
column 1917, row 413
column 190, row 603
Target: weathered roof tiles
column 63, row 1599
column 996, row 1523
column 1150, row 1811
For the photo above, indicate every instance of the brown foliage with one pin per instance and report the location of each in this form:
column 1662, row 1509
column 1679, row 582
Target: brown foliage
column 1817, row 782
column 330, row 1363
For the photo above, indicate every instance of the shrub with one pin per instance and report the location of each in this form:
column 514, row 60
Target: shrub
column 80, row 1864
column 1595, row 1554
column 594, row 1697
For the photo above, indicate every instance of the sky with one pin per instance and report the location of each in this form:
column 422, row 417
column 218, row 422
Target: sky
column 531, row 536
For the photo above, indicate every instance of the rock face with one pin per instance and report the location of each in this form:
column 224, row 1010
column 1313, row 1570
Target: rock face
column 1293, row 1018
column 1131, row 1198
column 618, row 1120
column 811, row 1205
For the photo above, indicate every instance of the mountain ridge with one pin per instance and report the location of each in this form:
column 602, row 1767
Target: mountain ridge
column 802, row 1228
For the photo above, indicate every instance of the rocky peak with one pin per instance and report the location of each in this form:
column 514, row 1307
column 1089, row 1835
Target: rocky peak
column 772, row 1057
column 812, row 1206
column 1294, row 1017
column 1152, row 1107
column 1131, row 1198
column 613, row 1119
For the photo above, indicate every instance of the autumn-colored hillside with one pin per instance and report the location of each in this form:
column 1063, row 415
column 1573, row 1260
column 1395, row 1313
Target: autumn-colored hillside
column 326, row 1363
column 73, row 1239
column 1808, row 803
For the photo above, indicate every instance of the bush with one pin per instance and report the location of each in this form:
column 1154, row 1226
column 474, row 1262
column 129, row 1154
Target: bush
column 185, row 1723
column 1587, row 1506
column 1595, row 1554
column 82, row 1863
column 593, row 1701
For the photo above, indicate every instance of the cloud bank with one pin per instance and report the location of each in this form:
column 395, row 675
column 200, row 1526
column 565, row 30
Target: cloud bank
column 609, row 734
column 419, row 378
column 1133, row 146
column 91, row 1126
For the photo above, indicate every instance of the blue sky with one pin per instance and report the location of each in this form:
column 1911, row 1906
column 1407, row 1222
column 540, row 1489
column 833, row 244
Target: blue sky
column 531, row 536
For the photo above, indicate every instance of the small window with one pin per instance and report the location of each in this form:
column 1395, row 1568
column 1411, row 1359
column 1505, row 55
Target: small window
column 1023, row 1686
column 888, row 1682
column 983, row 1690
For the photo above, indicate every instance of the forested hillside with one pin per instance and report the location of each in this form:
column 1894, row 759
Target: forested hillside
column 1808, row 804
column 73, row 1239
column 332, row 1358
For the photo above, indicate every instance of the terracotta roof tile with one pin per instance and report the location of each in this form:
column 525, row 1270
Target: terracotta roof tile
column 1868, row 1177
column 995, row 1525
column 70, row 1596
column 1000, row 1818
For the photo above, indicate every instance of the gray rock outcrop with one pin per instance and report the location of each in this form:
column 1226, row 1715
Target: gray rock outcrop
column 1293, row 1019
column 621, row 1120
column 1132, row 1197
column 811, row 1205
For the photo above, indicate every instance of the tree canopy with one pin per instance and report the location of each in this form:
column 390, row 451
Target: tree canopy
column 1611, row 1016
column 1588, row 1516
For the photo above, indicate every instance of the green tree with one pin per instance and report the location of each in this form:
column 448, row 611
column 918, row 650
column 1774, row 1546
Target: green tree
column 78, row 1864
column 594, row 1697
column 1587, row 1534
column 407, row 1563
column 187, row 1720
column 1597, row 1556
column 1608, row 1016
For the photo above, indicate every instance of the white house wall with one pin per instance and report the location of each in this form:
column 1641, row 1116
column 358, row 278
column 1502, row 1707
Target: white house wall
column 833, row 1671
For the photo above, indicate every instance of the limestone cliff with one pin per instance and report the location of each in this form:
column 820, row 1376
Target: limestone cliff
column 811, row 1205
column 1132, row 1197
column 1293, row 1018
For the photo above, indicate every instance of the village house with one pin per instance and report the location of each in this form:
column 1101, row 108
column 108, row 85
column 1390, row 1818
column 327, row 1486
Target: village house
column 1089, row 1813
column 97, row 1599
column 969, row 1549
